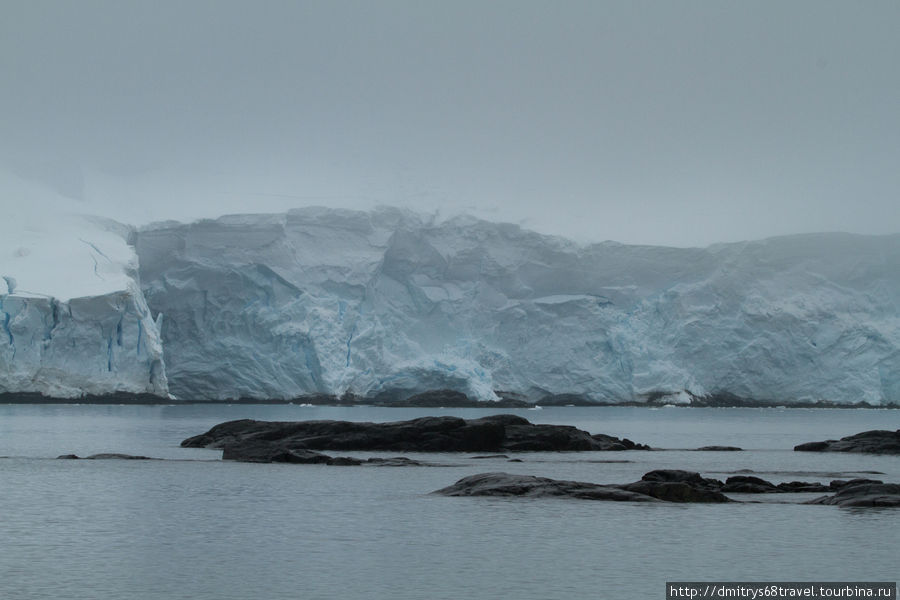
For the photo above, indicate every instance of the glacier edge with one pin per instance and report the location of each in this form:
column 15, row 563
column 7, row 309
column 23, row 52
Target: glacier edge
column 389, row 303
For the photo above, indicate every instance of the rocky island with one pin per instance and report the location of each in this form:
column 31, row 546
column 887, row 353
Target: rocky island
column 877, row 441
column 671, row 485
column 252, row 440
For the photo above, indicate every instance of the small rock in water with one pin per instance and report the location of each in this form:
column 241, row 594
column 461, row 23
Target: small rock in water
column 663, row 486
column 863, row 495
column 106, row 456
column 117, row 456
column 877, row 441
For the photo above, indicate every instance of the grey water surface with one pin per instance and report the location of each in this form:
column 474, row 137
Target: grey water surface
column 197, row 527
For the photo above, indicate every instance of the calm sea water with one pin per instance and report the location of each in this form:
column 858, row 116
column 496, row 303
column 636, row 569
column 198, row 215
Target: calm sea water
column 200, row 528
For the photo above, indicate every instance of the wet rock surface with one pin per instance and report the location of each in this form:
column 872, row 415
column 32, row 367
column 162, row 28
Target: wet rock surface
column 263, row 452
column 670, row 485
column 864, row 494
column 877, row 441
column 748, row 484
column 820, row 474
column 839, row 483
column 506, row 484
column 498, row 433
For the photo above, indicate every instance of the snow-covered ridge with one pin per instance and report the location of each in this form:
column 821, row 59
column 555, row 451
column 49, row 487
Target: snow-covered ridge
column 391, row 302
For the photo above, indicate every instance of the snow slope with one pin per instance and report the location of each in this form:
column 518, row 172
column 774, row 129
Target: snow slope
column 73, row 319
column 390, row 303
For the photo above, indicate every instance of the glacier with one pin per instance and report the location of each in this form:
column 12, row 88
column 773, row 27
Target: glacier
column 97, row 345
column 73, row 318
column 387, row 303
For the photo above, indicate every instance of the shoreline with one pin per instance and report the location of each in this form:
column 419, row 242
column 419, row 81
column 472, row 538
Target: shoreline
column 436, row 399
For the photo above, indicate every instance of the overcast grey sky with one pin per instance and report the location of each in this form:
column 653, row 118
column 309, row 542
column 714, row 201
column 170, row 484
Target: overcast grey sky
column 668, row 122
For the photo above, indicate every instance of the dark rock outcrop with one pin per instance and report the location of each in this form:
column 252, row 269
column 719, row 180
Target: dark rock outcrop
column 498, row 433
column 840, row 483
column 263, row 452
column 878, row 441
column 675, row 485
column 675, row 491
column 803, row 486
column 668, row 486
column 680, row 476
column 863, row 494
column 738, row 484
column 720, row 449
column 747, row 484
column 609, row 442
column 505, row 484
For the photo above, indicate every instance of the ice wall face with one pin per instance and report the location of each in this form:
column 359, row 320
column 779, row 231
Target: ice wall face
column 94, row 345
column 73, row 319
column 390, row 303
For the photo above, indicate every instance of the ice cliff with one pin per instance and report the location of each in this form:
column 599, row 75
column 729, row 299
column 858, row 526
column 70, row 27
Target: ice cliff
column 73, row 319
column 390, row 303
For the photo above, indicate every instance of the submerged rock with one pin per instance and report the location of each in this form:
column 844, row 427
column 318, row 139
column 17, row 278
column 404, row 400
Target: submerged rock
column 259, row 451
column 262, row 451
column 720, row 449
column 498, row 433
column 397, row 461
column 106, row 456
column 878, row 441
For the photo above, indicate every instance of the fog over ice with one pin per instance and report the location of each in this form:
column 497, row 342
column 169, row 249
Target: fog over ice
column 644, row 122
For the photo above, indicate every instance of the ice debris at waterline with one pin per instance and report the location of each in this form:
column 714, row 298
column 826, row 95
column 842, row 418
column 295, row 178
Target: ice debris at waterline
column 388, row 303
